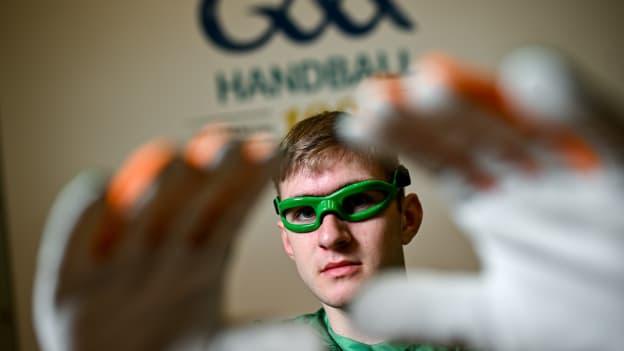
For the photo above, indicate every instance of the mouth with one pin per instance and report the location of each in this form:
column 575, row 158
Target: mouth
column 341, row 268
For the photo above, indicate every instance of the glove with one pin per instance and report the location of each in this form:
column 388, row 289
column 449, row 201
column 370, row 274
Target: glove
column 538, row 199
column 137, row 262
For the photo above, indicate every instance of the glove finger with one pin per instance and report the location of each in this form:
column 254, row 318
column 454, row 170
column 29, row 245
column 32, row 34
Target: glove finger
column 209, row 160
column 255, row 161
column 442, row 309
column 420, row 140
column 76, row 215
column 544, row 86
column 64, row 260
column 128, row 194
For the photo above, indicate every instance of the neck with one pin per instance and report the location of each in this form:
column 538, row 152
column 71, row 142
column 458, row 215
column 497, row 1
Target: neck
column 342, row 325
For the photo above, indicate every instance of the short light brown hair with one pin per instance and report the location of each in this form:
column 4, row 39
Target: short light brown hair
column 312, row 145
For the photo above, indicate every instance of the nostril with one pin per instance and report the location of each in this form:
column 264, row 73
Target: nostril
column 333, row 233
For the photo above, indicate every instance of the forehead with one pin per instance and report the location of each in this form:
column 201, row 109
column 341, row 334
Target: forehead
column 333, row 176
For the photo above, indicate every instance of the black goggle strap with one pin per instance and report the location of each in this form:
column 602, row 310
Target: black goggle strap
column 276, row 202
column 401, row 177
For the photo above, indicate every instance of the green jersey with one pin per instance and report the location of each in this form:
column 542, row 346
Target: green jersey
column 334, row 342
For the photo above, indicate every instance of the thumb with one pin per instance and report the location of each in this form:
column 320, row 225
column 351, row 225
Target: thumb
column 75, row 202
column 429, row 307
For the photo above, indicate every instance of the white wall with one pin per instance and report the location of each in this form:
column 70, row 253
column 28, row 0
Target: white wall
column 85, row 82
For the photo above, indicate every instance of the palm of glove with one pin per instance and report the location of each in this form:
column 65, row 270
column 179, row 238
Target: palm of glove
column 551, row 274
column 137, row 263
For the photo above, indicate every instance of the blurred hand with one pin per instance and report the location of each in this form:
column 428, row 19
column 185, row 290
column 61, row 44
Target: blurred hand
column 137, row 262
column 453, row 118
column 542, row 209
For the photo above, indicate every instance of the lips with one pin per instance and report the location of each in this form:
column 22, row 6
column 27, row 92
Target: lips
column 341, row 268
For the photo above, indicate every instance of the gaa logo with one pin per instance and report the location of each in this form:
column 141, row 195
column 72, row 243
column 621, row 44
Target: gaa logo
column 279, row 19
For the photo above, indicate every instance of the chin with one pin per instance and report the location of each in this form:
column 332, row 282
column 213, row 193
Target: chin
column 341, row 295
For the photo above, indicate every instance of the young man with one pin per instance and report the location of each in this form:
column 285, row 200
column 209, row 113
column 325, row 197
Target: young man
column 344, row 217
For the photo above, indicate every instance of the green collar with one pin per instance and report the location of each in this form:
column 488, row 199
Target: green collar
column 334, row 342
column 347, row 344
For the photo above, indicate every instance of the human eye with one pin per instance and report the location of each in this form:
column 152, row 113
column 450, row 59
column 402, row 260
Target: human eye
column 362, row 201
column 301, row 215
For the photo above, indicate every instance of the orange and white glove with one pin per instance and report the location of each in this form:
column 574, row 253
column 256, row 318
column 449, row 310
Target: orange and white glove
column 453, row 118
column 137, row 261
column 538, row 197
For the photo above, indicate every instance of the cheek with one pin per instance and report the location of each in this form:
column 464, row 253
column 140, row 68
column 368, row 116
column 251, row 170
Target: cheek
column 379, row 239
column 303, row 248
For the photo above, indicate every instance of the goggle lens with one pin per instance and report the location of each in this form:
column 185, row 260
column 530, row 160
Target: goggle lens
column 363, row 201
column 350, row 205
column 300, row 215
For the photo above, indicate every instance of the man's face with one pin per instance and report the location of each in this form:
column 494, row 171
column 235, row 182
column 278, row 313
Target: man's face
column 339, row 256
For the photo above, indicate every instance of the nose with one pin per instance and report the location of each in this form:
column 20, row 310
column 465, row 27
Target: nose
column 333, row 233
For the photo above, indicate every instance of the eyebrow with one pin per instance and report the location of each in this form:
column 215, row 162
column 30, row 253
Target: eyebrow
column 334, row 190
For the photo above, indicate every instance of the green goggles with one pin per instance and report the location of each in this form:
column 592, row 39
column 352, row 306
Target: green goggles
column 355, row 202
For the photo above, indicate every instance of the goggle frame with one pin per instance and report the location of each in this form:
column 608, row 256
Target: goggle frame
column 333, row 203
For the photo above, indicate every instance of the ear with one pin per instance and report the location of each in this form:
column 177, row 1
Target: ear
column 285, row 240
column 411, row 218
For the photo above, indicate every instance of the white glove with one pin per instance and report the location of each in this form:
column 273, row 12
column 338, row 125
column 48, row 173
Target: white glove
column 552, row 277
column 550, row 239
column 138, row 263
